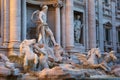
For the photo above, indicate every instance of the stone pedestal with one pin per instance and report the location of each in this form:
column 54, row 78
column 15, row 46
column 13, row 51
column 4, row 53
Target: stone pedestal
column 78, row 48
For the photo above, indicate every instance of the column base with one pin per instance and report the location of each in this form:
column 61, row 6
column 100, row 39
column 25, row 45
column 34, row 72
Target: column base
column 69, row 48
column 5, row 44
column 78, row 48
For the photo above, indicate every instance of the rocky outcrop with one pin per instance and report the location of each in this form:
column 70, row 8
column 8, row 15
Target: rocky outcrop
column 5, row 71
column 7, row 68
column 54, row 73
column 65, row 71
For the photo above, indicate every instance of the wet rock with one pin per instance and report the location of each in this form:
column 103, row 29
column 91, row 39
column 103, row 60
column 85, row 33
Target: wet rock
column 4, row 71
column 16, row 72
column 74, row 59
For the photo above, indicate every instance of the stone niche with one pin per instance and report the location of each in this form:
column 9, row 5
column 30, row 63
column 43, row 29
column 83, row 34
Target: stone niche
column 81, row 32
column 79, row 38
column 31, row 27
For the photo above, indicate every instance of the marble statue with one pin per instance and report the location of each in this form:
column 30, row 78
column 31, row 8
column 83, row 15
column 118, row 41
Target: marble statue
column 58, row 52
column 42, row 54
column 26, row 51
column 109, row 57
column 93, row 55
column 53, row 61
column 91, row 60
column 77, row 29
column 43, row 29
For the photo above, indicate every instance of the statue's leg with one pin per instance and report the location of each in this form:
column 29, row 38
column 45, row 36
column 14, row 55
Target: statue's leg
column 43, row 34
column 44, row 61
column 39, row 37
column 49, row 32
column 35, row 61
column 39, row 34
column 38, row 29
column 25, row 65
column 103, row 67
column 80, row 34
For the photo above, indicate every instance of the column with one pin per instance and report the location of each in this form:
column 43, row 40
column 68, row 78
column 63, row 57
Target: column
column 15, row 20
column 114, row 35
column 86, row 26
column 15, row 26
column 6, row 22
column 69, row 25
column 63, row 25
column 24, row 20
column 2, row 21
column 91, row 24
column 57, row 24
column 101, row 30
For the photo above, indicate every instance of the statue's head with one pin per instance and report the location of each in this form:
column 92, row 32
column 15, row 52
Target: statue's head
column 78, row 16
column 45, row 7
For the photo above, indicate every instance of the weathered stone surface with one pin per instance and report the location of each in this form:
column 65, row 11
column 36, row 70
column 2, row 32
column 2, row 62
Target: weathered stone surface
column 54, row 73
column 116, row 70
column 3, row 58
column 75, row 59
column 68, row 72
column 2, row 64
column 29, row 77
column 4, row 71
column 80, row 73
column 10, row 65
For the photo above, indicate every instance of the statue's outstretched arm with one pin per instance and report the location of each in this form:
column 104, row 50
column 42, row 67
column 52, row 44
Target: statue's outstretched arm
column 39, row 50
column 34, row 14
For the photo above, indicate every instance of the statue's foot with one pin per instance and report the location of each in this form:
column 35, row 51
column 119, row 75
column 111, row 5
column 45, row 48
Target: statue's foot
column 56, row 44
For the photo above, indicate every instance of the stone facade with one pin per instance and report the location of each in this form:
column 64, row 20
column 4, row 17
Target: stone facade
column 100, row 19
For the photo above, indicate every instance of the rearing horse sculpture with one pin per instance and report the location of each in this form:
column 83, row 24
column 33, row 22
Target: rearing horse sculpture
column 26, row 50
column 93, row 55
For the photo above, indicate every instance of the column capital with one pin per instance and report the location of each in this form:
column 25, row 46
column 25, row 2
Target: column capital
column 57, row 5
